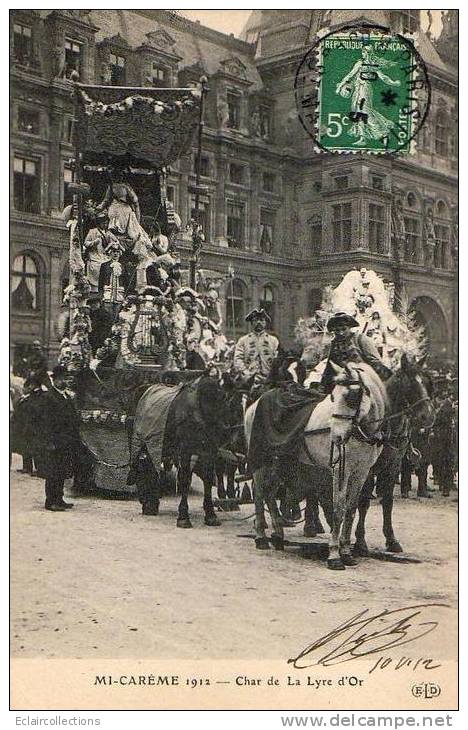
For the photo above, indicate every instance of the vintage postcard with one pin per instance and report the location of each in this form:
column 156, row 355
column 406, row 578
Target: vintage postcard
column 233, row 380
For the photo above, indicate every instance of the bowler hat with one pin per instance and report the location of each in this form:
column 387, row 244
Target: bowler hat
column 341, row 318
column 258, row 314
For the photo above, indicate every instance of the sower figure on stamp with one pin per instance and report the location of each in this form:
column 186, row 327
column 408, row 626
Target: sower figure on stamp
column 58, row 438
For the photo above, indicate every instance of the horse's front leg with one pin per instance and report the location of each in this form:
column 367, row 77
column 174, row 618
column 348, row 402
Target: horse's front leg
column 387, row 483
column 355, row 483
column 311, row 509
column 230, row 483
column 360, row 547
column 261, row 540
column 147, row 482
column 208, row 478
column 334, row 561
column 277, row 522
column 184, row 477
column 219, row 469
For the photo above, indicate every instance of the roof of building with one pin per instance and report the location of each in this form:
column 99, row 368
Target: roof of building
column 194, row 42
column 268, row 20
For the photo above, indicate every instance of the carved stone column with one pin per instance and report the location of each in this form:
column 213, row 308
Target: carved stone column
column 53, row 188
column 253, row 242
column 429, row 238
column 54, row 299
column 220, row 204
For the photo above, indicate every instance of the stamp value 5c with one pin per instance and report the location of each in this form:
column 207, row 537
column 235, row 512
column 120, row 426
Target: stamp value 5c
column 362, row 89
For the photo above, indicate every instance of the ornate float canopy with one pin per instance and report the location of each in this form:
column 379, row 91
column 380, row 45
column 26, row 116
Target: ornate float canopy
column 140, row 126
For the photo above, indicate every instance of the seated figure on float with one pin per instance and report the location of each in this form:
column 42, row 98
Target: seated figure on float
column 375, row 330
column 123, row 210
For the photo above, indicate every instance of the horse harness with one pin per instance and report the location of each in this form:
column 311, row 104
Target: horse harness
column 378, row 438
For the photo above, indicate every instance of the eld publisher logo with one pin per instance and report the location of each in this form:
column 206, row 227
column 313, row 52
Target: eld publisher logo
column 425, row 690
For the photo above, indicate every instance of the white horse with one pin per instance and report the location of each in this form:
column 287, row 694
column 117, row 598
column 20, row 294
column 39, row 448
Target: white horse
column 342, row 441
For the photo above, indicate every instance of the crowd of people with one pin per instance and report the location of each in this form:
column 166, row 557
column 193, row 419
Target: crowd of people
column 436, row 447
column 45, row 424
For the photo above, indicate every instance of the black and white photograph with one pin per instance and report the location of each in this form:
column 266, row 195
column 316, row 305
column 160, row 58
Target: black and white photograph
column 234, row 361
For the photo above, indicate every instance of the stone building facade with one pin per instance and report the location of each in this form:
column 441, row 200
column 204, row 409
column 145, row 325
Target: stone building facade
column 286, row 220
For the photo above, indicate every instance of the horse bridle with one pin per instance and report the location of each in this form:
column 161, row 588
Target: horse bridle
column 356, row 428
column 354, row 417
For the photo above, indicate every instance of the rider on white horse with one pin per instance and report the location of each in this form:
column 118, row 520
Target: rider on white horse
column 350, row 346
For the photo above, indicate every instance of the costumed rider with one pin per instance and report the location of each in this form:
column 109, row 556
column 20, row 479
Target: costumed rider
column 113, row 280
column 255, row 352
column 350, row 346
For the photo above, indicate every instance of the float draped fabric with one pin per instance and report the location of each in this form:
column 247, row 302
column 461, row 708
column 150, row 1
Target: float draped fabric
column 145, row 126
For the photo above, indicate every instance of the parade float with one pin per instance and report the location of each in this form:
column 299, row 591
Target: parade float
column 134, row 309
column 383, row 314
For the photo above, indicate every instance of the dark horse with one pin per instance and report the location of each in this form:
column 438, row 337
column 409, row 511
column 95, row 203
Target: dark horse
column 385, row 472
column 197, row 426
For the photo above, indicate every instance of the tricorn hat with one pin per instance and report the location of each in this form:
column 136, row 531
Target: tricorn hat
column 258, row 314
column 341, row 318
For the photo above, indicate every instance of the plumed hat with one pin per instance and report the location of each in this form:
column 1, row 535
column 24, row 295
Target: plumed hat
column 341, row 318
column 258, row 314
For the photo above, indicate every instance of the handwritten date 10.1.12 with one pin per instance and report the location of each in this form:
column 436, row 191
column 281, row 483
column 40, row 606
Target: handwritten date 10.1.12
column 365, row 635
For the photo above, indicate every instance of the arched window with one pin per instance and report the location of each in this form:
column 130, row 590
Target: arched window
column 442, row 133
column 268, row 303
column 412, row 200
column 235, row 305
column 25, row 290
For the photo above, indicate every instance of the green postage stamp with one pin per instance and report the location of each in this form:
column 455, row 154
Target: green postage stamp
column 371, row 92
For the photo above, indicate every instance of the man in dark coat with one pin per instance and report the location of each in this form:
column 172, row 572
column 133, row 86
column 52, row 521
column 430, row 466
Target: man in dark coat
column 444, row 449
column 59, row 439
column 101, row 322
column 349, row 346
column 24, row 422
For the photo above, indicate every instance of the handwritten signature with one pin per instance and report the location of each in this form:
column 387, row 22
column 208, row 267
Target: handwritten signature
column 363, row 635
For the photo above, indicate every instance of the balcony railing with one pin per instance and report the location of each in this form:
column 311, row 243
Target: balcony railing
column 27, row 62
